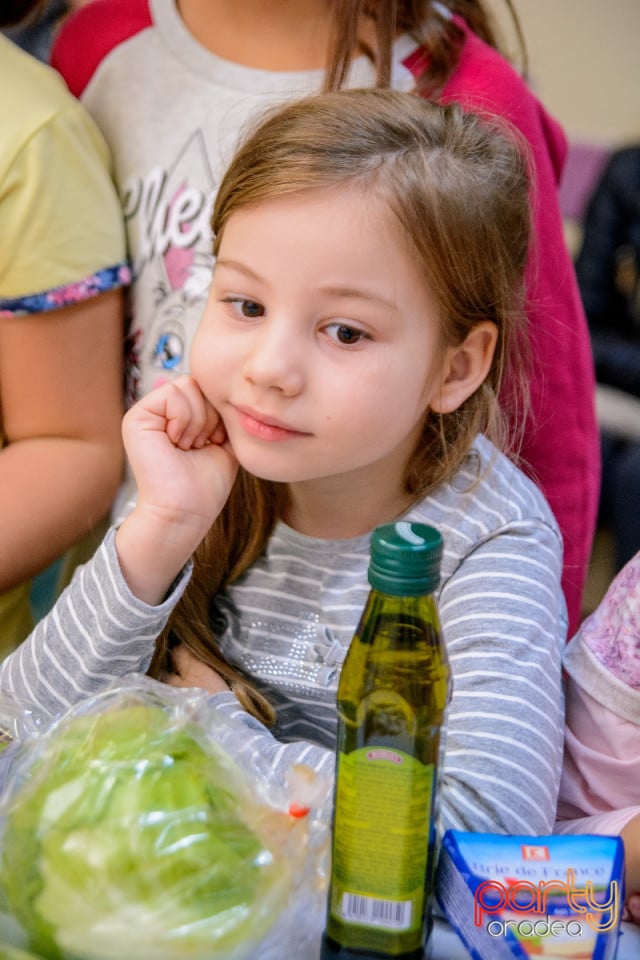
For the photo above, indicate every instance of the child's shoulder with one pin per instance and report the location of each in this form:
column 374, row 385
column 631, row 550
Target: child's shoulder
column 489, row 477
column 92, row 33
column 612, row 632
column 485, row 81
column 37, row 96
column 488, row 494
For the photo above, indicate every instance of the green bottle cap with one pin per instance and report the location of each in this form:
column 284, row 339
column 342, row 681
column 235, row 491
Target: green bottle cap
column 405, row 558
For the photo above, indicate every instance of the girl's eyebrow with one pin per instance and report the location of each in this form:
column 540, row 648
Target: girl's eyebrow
column 345, row 292
column 238, row 267
column 358, row 294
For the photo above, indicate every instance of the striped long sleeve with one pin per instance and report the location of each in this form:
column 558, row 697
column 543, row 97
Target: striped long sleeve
column 290, row 619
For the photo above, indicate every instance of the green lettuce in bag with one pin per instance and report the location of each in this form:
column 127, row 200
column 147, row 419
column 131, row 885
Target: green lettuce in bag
column 131, row 834
column 14, row 953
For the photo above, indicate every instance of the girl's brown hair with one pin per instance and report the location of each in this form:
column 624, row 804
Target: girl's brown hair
column 456, row 188
column 432, row 25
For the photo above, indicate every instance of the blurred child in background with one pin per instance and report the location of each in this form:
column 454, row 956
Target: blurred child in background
column 62, row 270
column 33, row 26
column 608, row 271
column 186, row 76
column 600, row 788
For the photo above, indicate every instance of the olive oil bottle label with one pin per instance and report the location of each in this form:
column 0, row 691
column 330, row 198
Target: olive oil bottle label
column 381, row 839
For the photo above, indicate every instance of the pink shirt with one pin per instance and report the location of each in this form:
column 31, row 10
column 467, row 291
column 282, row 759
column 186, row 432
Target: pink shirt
column 600, row 787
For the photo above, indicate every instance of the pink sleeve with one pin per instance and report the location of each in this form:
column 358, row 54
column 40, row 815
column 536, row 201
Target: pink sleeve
column 612, row 632
column 602, row 824
column 90, row 34
column 601, row 769
column 561, row 449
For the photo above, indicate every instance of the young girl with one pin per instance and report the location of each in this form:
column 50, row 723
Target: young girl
column 600, row 787
column 185, row 76
column 370, row 249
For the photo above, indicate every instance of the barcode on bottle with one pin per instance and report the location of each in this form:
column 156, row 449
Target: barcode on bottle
column 394, row 914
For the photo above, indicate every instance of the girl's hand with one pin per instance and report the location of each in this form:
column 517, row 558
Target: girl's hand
column 191, row 672
column 178, row 451
column 184, row 469
column 630, row 834
column 633, row 908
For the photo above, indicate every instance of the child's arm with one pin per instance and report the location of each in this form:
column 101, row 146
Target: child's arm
column 504, row 737
column 501, row 607
column 625, row 823
column 504, row 622
column 97, row 633
column 60, row 395
column 184, row 469
column 600, row 790
column 105, row 624
column 631, row 837
column 503, row 619
column 191, row 672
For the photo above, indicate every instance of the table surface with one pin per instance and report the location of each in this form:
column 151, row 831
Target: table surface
column 446, row 945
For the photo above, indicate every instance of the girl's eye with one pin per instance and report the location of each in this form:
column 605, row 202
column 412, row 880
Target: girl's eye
column 345, row 334
column 248, row 308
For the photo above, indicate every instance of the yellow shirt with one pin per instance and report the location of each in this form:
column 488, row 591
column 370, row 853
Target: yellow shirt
column 61, row 228
column 60, row 218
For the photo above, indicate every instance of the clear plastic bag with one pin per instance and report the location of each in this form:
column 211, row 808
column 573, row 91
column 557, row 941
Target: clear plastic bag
column 7, row 952
column 128, row 830
column 18, row 720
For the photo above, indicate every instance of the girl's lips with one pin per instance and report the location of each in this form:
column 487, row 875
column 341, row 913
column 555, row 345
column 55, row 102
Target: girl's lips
column 265, row 428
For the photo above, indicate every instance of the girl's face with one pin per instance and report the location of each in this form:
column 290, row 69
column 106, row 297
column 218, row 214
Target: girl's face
column 319, row 345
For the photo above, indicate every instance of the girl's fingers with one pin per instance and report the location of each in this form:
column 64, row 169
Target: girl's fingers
column 178, row 449
column 185, row 412
column 218, row 436
column 190, row 420
column 634, row 907
column 191, row 672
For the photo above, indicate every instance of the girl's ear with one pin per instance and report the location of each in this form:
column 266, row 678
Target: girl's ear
column 465, row 367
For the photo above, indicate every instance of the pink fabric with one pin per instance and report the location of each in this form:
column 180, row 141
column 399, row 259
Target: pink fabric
column 608, row 824
column 601, row 771
column 561, row 449
column 600, row 786
column 612, row 632
column 106, row 24
column 585, row 165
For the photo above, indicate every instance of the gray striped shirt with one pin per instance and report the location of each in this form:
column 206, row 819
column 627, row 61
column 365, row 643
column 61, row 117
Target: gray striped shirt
column 291, row 617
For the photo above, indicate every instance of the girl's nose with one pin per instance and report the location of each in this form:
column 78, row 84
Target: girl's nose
column 273, row 360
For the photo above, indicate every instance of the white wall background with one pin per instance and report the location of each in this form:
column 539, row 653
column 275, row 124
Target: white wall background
column 584, row 63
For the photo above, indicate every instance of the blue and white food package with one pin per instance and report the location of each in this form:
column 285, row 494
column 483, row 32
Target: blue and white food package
column 518, row 897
